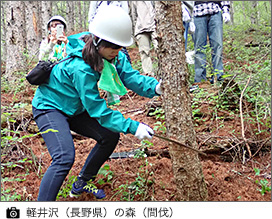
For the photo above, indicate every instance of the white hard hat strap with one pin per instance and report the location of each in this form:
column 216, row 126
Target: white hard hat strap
column 96, row 43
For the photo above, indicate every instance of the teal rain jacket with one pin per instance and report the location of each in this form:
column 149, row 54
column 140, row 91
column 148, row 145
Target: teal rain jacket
column 73, row 89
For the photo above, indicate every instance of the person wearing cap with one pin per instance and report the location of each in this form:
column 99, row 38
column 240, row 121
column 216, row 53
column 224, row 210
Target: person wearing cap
column 71, row 101
column 53, row 47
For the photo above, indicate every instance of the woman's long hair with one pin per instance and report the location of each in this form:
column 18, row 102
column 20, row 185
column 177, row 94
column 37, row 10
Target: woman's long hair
column 90, row 52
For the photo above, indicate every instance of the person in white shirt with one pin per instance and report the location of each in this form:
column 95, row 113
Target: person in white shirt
column 53, row 47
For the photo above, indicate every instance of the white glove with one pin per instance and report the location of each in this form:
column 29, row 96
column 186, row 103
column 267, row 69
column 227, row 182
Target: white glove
column 158, row 88
column 191, row 27
column 226, row 17
column 144, row 131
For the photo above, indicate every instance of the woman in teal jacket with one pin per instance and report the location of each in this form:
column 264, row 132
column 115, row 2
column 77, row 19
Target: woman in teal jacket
column 71, row 101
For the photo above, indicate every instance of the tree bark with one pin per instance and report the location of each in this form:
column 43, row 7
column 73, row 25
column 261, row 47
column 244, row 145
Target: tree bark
column 85, row 13
column 33, row 28
column 244, row 10
column 255, row 14
column 231, row 13
column 187, row 167
column 15, row 41
column 3, row 32
column 70, row 16
column 79, row 25
column 45, row 15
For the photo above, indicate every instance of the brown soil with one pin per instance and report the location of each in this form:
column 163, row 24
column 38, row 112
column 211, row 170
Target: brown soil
column 227, row 178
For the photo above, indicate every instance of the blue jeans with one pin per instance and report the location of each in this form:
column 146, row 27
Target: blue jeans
column 211, row 25
column 61, row 147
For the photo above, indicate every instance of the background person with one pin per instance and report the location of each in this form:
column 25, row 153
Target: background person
column 189, row 27
column 143, row 16
column 188, row 20
column 208, row 19
column 53, row 47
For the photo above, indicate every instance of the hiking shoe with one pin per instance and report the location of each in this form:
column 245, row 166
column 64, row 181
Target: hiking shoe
column 89, row 188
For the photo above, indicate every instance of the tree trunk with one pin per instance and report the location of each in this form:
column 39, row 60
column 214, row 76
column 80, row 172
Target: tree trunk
column 16, row 43
column 45, row 15
column 231, row 13
column 187, row 167
column 57, row 6
column 254, row 15
column 3, row 32
column 244, row 10
column 80, row 17
column 70, row 16
column 86, row 12
column 33, row 28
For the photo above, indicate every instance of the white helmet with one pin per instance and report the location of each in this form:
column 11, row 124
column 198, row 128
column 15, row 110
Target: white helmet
column 57, row 18
column 113, row 24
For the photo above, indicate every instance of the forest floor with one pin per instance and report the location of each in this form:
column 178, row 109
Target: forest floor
column 229, row 176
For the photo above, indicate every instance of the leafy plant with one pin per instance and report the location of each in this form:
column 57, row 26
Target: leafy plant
column 263, row 183
column 106, row 173
column 66, row 187
column 140, row 153
column 10, row 195
column 144, row 180
column 10, row 165
column 140, row 187
column 160, row 126
column 158, row 113
column 124, row 191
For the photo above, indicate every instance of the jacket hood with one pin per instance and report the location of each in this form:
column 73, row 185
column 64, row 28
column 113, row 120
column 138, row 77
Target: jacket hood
column 76, row 44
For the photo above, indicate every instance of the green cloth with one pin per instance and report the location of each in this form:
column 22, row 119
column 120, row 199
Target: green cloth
column 59, row 51
column 110, row 81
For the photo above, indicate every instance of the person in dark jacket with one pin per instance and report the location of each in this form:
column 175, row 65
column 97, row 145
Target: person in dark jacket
column 71, row 101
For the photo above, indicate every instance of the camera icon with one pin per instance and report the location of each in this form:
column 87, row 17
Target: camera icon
column 13, row 212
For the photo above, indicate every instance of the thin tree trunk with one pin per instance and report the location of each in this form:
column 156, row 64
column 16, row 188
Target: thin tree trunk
column 16, row 43
column 80, row 19
column 70, row 16
column 33, row 28
column 254, row 15
column 244, row 10
column 85, row 12
column 45, row 15
column 231, row 13
column 3, row 32
column 187, row 167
